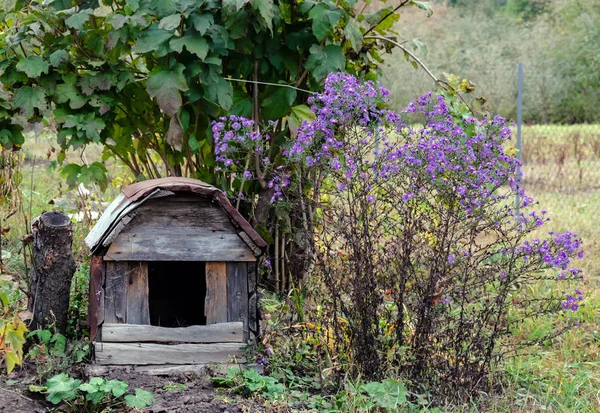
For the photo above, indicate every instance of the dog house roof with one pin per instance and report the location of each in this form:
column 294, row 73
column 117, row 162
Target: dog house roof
column 111, row 222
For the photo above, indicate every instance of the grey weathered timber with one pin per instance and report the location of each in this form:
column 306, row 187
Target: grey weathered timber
column 171, row 369
column 214, row 333
column 149, row 353
column 237, row 293
column 138, row 310
column 253, row 315
column 115, row 292
column 178, row 245
column 215, row 304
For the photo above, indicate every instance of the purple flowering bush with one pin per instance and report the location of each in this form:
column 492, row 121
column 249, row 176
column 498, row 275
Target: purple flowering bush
column 417, row 243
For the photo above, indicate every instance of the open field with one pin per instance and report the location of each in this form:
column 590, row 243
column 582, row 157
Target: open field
column 562, row 173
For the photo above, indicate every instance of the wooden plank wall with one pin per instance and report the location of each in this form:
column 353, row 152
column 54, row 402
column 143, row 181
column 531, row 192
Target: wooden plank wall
column 215, row 304
column 138, row 310
column 126, row 293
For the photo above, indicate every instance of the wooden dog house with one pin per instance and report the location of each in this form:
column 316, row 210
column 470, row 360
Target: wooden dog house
column 173, row 276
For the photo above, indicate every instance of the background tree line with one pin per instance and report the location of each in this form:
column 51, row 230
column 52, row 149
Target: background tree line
column 483, row 41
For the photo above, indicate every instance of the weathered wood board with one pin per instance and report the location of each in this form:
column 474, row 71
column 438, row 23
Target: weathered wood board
column 138, row 310
column 115, row 298
column 178, row 245
column 149, row 353
column 237, row 293
column 215, row 304
column 214, row 333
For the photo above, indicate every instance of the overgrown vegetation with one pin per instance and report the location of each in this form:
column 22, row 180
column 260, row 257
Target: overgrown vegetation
column 97, row 395
column 408, row 281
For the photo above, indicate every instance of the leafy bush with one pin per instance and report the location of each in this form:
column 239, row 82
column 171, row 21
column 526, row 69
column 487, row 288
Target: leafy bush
column 12, row 331
column 418, row 245
column 97, row 395
column 78, row 304
column 52, row 353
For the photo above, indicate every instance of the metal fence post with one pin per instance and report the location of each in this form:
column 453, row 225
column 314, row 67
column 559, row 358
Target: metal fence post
column 519, row 124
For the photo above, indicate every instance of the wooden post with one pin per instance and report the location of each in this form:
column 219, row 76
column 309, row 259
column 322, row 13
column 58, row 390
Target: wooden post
column 52, row 269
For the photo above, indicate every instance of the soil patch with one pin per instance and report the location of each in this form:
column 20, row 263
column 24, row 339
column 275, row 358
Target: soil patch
column 181, row 393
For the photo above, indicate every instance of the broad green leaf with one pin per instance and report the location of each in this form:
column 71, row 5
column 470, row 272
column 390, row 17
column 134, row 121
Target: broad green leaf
column 388, row 394
column 266, row 11
column 116, row 387
column 77, row 20
column 234, row 5
column 324, row 60
column 221, row 92
column 323, row 19
column 193, row 42
column 12, row 360
column 151, row 40
column 352, row 33
column 33, row 66
column 165, row 85
column 193, row 144
column 423, row 5
column 297, row 115
column 170, row 22
column 276, row 102
column 62, row 388
column 71, row 172
column 59, row 57
column 242, row 105
column 134, row 5
column 27, row 98
column 142, row 399
column 202, row 22
column 68, row 92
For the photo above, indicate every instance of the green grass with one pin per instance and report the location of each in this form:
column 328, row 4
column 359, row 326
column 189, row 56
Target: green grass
column 562, row 375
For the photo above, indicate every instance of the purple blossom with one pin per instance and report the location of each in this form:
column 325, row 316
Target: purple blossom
column 370, row 198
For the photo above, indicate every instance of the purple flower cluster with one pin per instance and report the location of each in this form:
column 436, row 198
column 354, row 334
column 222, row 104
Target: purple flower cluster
column 235, row 137
column 571, row 302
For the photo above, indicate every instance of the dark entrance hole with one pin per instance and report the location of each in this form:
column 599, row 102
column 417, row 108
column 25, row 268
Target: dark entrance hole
column 177, row 293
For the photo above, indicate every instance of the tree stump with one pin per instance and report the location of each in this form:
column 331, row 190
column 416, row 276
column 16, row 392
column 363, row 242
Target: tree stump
column 52, row 269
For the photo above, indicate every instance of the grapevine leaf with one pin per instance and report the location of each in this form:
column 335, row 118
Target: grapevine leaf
column 77, row 20
column 194, row 43
column 27, row 98
column 68, row 91
column 323, row 18
column 59, row 57
column 165, row 85
column 324, row 60
column 221, row 92
column 265, row 10
column 276, row 102
column 202, row 22
column 151, row 40
column 142, row 399
column 33, row 66
column 234, row 5
column 352, row 33
column 170, row 22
